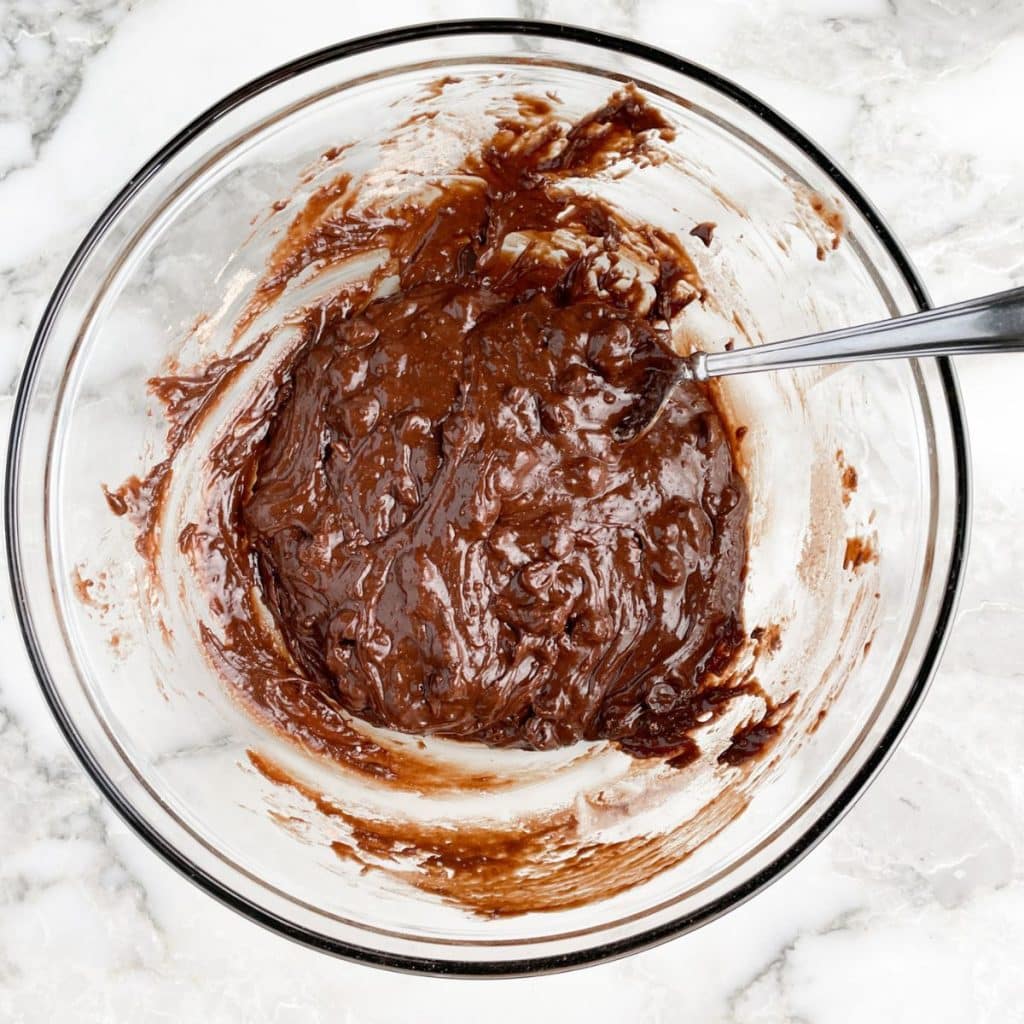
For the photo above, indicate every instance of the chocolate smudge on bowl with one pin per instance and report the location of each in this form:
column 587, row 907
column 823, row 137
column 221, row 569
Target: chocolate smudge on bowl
column 705, row 231
column 501, row 869
column 848, row 477
column 859, row 552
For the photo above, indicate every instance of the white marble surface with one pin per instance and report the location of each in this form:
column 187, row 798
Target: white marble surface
column 913, row 909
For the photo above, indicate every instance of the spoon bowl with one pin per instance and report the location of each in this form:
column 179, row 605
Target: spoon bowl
column 989, row 325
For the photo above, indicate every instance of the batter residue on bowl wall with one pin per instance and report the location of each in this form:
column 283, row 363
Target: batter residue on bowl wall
column 399, row 504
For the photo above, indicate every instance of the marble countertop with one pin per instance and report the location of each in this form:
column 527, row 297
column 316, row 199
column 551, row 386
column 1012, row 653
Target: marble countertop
column 913, row 908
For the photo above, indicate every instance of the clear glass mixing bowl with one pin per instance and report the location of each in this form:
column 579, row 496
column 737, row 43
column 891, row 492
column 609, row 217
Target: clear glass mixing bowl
column 161, row 275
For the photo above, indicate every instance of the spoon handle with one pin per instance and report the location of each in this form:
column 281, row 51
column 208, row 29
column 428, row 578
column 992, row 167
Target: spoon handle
column 992, row 323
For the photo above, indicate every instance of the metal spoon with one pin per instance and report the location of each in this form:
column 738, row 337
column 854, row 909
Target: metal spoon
column 992, row 323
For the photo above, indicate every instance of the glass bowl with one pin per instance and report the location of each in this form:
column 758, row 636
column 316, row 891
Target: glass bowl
column 858, row 477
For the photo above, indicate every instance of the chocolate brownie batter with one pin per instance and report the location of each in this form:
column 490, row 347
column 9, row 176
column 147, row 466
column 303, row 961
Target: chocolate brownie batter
column 448, row 534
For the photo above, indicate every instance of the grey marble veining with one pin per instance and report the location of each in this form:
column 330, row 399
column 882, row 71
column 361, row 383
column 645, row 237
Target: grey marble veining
column 44, row 47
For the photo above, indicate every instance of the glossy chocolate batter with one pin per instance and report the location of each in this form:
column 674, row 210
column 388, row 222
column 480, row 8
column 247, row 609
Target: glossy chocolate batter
column 448, row 535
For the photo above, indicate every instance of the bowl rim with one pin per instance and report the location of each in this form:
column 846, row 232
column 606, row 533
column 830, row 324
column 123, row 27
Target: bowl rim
column 602, row 951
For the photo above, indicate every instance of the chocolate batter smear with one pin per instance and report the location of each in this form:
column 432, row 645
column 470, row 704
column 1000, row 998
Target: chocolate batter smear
column 429, row 493
column 448, row 536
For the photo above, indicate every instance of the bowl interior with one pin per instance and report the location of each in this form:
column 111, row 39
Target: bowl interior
column 856, row 522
